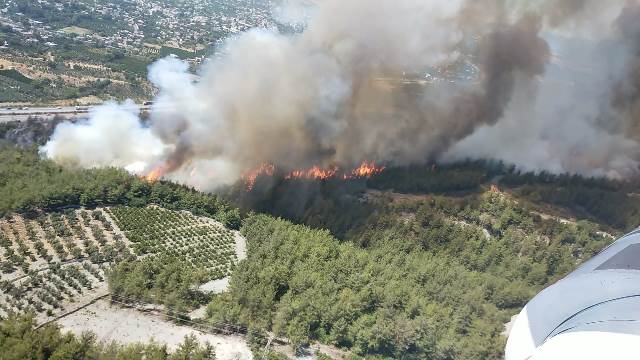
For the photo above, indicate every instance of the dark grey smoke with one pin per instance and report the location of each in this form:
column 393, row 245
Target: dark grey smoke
column 412, row 124
column 626, row 94
column 509, row 51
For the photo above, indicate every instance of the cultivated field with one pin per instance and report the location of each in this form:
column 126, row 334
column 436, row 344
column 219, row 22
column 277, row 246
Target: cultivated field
column 199, row 242
column 53, row 263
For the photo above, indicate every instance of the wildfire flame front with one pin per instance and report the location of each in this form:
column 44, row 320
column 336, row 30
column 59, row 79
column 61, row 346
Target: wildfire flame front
column 365, row 170
column 156, row 173
column 251, row 176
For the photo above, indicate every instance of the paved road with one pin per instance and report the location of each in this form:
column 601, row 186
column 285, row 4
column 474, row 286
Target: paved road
column 22, row 113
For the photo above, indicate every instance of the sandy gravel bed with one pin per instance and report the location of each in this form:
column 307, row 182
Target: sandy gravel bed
column 241, row 246
column 215, row 286
column 112, row 323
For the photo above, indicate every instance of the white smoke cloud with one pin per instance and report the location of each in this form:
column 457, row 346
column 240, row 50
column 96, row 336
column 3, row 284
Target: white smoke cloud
column 112, row 137
column 295, row 13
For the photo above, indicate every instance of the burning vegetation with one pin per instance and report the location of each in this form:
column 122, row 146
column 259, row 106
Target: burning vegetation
column 251, row 176
column 315, row 173
column 365, row 170
column 156, row 173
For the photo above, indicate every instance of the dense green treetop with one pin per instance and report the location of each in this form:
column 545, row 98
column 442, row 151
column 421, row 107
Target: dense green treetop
column 29, row 183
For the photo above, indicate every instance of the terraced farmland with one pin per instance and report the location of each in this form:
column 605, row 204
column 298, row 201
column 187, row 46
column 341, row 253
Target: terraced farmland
column 200, row 242
column 51, row 262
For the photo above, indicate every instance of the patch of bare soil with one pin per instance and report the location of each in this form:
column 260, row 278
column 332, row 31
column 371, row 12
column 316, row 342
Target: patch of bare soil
column 113, row 323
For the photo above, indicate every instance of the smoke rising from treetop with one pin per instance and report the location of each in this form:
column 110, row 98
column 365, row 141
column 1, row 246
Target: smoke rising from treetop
column 554, row 90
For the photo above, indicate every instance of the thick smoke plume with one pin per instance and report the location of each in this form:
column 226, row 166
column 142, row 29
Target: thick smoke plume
column 547, row 85
column 578, row 118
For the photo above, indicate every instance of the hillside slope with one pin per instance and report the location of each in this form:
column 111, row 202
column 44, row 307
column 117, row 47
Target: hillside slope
column 442, row 255
column 426, row 263
column 420, row 277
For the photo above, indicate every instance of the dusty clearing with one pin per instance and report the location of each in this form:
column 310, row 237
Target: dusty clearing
column 312, row 352
column 241, row 246
column 215, row 286
column 39, row 70
column 112, row 323
column 76, row 30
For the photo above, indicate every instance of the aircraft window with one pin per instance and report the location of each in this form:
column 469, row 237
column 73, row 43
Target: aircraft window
column 627, row 259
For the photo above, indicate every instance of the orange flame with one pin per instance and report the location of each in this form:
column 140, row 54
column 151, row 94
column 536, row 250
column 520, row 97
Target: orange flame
column 315, row 173
column 365, row 170
column 251, row 176
column 156, row 173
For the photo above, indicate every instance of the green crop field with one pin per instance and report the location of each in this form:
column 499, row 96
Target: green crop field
column 200, row 242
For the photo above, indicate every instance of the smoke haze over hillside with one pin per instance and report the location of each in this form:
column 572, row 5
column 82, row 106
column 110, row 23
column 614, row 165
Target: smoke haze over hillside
column 554, row 86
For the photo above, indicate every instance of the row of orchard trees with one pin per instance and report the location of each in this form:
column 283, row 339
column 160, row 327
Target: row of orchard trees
column 198, row 242
column 45, row 291
column 57, row 237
